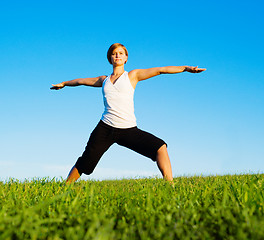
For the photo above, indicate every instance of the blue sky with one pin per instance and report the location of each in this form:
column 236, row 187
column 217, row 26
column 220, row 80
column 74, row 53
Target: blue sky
column 212, row 122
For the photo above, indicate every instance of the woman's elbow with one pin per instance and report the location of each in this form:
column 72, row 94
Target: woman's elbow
column 162, row 70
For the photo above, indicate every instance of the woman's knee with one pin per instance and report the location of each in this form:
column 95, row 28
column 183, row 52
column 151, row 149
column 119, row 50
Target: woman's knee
column 163, row 148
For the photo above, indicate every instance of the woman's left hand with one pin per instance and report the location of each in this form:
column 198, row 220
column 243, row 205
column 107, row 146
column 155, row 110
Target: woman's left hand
column 194, row 69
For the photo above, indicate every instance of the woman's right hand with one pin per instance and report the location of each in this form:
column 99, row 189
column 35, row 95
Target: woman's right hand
column 57, row 86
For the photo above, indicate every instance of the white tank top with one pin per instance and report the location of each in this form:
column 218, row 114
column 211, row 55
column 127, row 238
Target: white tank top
column 119, row 102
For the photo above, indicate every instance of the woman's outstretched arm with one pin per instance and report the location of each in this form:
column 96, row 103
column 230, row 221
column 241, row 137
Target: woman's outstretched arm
column 142, row 74
column 93, row 82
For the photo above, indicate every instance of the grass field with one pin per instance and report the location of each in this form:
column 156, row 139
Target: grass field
column 214, row 207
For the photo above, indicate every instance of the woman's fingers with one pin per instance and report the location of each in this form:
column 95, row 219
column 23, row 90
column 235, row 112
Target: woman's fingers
column 57, row 86
column 201, row 69
column 197, row 70
column 194, row 69
column 54, row 87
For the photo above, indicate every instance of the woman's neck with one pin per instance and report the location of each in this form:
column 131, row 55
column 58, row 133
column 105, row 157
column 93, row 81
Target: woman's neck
column 118, row 70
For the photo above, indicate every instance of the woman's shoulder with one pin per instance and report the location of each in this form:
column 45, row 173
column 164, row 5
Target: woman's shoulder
column 103, row 77
column 132, row 73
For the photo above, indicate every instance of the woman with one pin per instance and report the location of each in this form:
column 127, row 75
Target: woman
column 118, row 122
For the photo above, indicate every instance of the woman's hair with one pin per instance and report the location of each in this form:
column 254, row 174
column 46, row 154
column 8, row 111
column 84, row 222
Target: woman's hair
column 112, row 48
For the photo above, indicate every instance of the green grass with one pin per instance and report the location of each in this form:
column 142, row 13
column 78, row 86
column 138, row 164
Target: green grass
column 214, row 207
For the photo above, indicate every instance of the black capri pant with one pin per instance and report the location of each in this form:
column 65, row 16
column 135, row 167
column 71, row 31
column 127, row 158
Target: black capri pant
column 103, row 136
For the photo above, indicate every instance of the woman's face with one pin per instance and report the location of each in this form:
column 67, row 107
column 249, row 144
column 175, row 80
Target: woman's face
column 118, row 57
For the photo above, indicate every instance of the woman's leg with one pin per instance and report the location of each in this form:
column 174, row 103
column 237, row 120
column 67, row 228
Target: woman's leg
column 148, row 145
column 100, row 140
column 73, row 175
column 163, row 162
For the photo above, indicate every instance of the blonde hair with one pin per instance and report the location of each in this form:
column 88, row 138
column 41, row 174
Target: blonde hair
column 112, row 48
